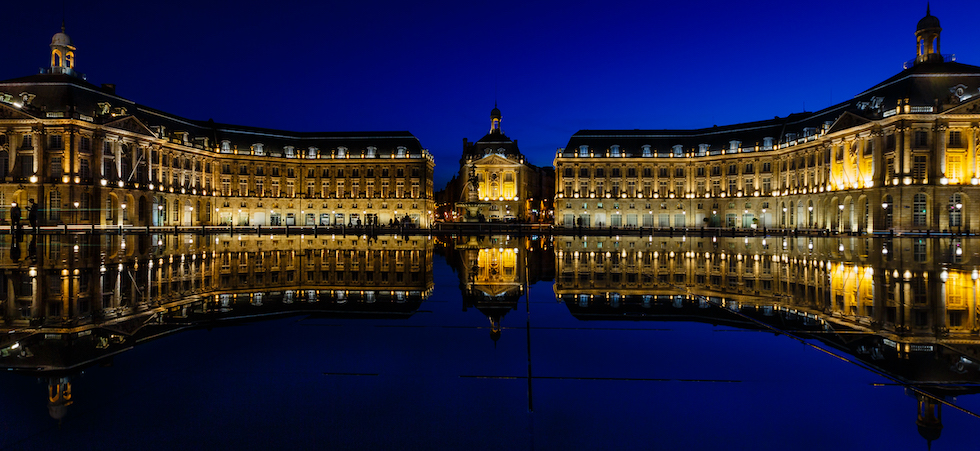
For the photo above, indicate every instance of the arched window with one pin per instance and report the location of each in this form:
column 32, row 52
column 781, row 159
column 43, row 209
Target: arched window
column 68, row 60
column 54, row 205
column 956, row 210
column 614, row 151
column 919, row 210
column 889, row 207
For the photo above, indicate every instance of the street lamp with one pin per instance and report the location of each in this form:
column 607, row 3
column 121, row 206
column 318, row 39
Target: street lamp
column 840, row 218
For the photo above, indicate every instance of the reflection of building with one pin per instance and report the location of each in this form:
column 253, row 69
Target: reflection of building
column 89, row 156
column 496, row 183
column 494, row 271
column 909, row 308
column 902, row 155
column 88, row 297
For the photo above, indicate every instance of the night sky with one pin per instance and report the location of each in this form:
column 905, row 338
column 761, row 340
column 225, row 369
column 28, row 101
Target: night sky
column 435, row 69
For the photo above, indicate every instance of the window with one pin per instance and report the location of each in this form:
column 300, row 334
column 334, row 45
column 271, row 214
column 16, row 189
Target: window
column 679, row 172
column 919, row 167
column 583, row 172
column 921, row 138
column 56, row 141
column 919, row 210
column 616, row 172
column 955, row 139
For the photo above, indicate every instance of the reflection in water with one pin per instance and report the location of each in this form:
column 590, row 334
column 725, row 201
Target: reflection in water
column 906, row 309
column 494, row 271
column 84, row 298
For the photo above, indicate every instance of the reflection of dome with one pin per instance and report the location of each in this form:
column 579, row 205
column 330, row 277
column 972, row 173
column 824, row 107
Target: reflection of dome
column 930, row 432
column 929, row 21
column 57, row 411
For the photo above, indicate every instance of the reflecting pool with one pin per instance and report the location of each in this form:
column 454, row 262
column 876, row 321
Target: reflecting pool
column 455, row 342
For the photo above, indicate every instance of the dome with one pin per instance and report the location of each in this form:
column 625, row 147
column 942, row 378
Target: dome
column 929, row 21
column 494, row 113
column 61, row 39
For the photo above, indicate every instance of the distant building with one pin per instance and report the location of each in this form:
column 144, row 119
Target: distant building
column 496, row 183
column 89, row 156
column 902, row 155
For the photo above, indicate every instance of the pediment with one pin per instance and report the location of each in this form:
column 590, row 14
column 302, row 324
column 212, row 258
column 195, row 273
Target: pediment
column 9, row 112
column 846, row 121
column 497, row 290
column 131, row 124
column 969, row 107
column 496, row 160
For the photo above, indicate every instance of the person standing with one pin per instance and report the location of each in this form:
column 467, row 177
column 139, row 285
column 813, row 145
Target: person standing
column 32, row 215
column 14, row 218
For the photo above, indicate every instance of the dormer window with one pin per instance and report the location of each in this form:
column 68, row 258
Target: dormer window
column 703, row 149
column 647, row 152
column 311, row 152
column 614, row 151
column 809, row 131
column 258, row 149
column 767, row 143
column 401, row 151
column 678, row 150
column 372, row 151
column 790, row 137
column 733, row 145
column 583, row 151
column 290, row 151
column 226, row 146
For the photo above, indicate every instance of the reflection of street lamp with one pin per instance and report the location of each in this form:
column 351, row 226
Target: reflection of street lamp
column 76, row 212
column 123, row 218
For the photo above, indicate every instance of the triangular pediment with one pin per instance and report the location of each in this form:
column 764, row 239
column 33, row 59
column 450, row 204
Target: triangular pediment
column 846, row 121
column 495, row 159
column 131, row 124
column 10, row 112
column 496, row 290
column 968, row 107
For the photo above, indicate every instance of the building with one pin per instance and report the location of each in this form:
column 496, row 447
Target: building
column 902, row 155
column 496, row 183
column 88, row 156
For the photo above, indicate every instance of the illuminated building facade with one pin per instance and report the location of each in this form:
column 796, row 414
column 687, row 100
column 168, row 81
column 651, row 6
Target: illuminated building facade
column 88, row 156
column 902, row 155
column 496, row 183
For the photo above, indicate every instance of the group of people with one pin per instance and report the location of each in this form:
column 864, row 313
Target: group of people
column 15, row 216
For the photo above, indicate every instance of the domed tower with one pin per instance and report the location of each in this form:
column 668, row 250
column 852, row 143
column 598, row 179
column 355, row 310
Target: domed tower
column 927, row 39
column 62, row 53
column 495, row 120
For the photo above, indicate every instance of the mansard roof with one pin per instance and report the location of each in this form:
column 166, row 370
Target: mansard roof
column 80, row 99
column 925, row 87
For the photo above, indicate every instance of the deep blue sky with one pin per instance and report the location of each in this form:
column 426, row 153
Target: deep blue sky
column 435, row 69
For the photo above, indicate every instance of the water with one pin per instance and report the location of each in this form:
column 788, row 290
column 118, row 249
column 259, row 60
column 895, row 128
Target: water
column 495, row 342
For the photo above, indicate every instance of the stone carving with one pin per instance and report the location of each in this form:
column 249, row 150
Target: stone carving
column 103, row 108
column 27, row 98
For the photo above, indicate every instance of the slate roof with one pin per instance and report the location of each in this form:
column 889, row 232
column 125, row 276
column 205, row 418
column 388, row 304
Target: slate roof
column 75, row 97
column 940, row 85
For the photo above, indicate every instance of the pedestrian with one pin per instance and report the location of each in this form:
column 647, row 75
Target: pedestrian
column 14, row 217
column 32, row 216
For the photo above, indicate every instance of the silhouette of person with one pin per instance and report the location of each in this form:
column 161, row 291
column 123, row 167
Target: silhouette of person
column 14, row 217
column 14, row 249
column 32, row 214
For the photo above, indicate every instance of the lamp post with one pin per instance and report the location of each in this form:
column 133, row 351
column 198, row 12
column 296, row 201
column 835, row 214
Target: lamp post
column 159, row 214
column 840, row 218
column 959, row 217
